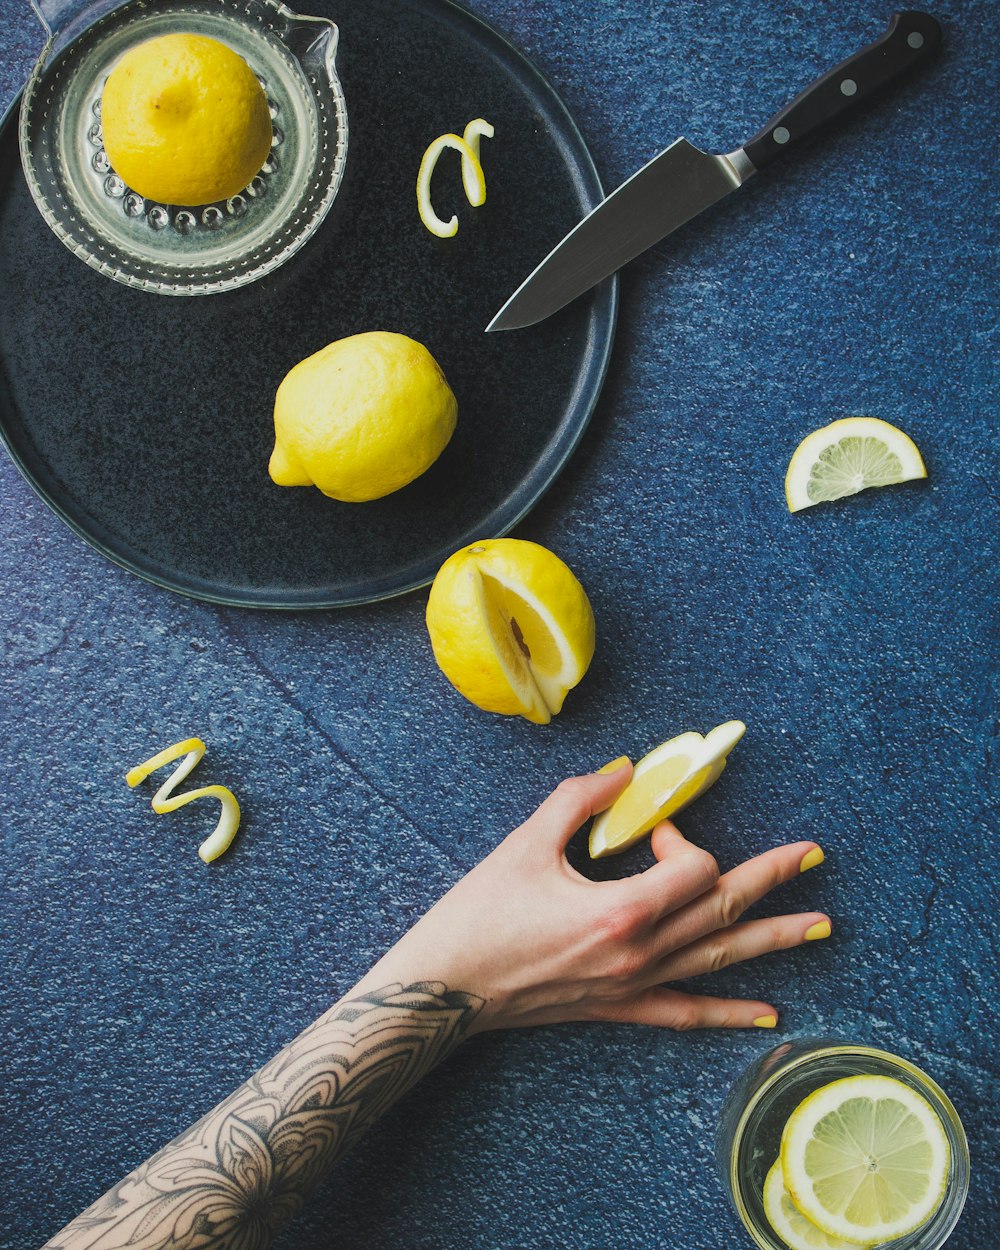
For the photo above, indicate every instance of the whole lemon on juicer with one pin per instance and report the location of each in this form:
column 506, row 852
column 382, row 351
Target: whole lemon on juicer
column 185, row 120
column 511, row 627
column 361, row 418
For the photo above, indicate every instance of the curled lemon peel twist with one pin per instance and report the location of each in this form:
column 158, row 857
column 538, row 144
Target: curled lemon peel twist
column 473, row 178
column 192, row 749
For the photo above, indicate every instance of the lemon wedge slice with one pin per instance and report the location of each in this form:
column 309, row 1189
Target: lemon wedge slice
column 473, row 179
column 849, row 456
column 664, row 781
column 511, row 627
column 865, row 1158
column 789, row 1223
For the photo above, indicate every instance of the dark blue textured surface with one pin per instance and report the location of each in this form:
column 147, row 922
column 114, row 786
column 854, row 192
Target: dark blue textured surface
column 139, row 986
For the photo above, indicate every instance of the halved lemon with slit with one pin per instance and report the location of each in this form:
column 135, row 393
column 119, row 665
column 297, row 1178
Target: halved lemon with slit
column 865, row 1158
column 664, row 781
column 849, row 456
column 511, row 627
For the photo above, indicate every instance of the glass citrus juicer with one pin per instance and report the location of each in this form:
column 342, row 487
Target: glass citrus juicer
column 170, row 249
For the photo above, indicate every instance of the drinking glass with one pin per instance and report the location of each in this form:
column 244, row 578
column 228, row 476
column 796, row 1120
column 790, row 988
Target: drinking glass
column 759, row 1104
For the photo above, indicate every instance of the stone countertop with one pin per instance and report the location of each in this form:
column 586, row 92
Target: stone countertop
column 138, row 987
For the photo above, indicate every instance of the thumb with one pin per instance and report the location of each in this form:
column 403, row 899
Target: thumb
column 574, row 801
column 667, row 840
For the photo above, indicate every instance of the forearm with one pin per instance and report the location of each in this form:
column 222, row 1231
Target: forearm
column 241, row 1172
column 522, row 939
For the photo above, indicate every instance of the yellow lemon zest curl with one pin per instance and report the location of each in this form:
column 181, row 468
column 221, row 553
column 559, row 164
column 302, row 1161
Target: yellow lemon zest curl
column 473, row 178
column 192, row 749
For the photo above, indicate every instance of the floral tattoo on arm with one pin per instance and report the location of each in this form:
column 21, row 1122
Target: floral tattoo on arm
column 232, row 1180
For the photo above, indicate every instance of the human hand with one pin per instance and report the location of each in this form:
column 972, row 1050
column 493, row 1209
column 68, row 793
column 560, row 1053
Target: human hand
column 541, row 944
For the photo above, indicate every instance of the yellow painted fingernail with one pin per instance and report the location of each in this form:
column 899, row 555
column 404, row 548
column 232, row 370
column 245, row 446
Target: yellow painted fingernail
column 819, row 930
column 765, row 1022
column 811, row 859
column 614, row 766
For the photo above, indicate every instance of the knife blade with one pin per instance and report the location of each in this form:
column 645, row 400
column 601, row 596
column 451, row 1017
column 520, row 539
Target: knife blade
column 683, row 181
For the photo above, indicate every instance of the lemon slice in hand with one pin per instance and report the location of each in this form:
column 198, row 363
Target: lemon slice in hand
column 865, row 1158
column 849, row 456
column 663, row 782
column 789, row 1223
column 511, row 627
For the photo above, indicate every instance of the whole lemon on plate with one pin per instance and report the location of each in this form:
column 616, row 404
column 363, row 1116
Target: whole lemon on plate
column 361, row 418
column 511, row 627
column 185, row 120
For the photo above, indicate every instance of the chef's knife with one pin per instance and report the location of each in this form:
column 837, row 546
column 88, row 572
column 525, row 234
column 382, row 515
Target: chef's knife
column 683, row 181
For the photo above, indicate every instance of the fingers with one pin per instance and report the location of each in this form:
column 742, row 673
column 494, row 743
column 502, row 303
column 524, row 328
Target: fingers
column 573, row 802
column 683, row 872
column 672, row 1009
column 664, row 838
column 735, row 891
column 740, row 942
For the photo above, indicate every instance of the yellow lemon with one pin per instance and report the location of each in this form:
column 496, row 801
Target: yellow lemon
column 184, row 120
column 361, row 418
column 511, row 627
column 670, row 777
column 866, row 1159
column 789, row 1223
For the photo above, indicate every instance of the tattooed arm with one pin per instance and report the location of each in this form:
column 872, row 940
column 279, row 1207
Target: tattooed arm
column 522, row 939
column 240, row 1173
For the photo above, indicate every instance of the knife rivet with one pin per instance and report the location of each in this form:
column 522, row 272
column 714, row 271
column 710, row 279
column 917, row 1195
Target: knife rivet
column 780, row 134
column 915, row 39
column 848, row 86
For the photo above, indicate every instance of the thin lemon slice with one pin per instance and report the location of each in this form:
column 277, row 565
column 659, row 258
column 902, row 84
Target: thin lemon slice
column 511, row 627
column 664, row 781
column 865, row 1158
column 473, row 179
column 789, row 1223
column 849, row 456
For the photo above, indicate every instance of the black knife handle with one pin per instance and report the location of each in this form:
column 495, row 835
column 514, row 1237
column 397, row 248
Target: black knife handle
column 912, row 39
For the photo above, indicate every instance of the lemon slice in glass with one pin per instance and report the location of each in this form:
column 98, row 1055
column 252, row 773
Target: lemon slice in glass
column 664, row 781
column 849, row 456
column 789, row 1223
column 865, row 1158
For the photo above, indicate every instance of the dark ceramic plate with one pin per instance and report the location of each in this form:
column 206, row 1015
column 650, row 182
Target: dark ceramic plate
column 144, row 420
